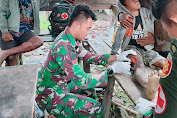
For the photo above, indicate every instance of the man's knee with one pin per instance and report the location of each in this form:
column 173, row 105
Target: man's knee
column 38, row 41
column 35, row 42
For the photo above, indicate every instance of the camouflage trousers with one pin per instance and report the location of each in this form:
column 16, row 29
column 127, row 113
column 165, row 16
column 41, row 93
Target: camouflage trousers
column 70, row 105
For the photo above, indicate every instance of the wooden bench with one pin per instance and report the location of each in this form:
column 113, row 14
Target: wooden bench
column 17, row 91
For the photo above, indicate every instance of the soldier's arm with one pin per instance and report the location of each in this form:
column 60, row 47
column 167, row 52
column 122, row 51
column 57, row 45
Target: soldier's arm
column 93, row 58
column 66, row 58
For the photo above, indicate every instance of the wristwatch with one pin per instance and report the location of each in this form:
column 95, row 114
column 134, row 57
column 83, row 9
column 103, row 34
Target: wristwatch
column 110, row 72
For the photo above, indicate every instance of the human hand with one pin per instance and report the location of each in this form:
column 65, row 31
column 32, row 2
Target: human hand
column 149, row 40
column 125, row 20
column 121, row 67
column 123, row 56
column 143, row 106
column 7, row 37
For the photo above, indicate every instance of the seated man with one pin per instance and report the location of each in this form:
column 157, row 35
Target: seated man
column 18, row 20
column 161, row 41
column 166, row 104
column 62, row 81
column 126, row 38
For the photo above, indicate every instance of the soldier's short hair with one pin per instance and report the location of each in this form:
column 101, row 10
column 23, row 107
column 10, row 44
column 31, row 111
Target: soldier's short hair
column 81, row 12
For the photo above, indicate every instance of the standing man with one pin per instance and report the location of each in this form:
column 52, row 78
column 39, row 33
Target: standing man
column 62, row 81
column 20, row 25
column 166, row 104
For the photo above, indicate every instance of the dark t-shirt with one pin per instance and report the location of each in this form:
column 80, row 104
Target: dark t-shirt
column 137, row 32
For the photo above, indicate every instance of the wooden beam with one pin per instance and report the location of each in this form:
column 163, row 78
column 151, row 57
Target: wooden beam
column 94, row 4
column 98, row 4
column 108, row 97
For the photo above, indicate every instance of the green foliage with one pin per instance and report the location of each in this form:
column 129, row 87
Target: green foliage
column 44, row 23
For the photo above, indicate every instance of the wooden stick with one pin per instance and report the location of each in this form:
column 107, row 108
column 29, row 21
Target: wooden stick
column 130, row 110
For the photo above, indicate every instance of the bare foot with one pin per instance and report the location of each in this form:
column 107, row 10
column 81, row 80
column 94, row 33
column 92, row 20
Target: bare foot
column 3, row 56
column 153, row 85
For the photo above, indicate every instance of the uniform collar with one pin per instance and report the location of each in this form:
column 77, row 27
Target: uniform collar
column 70, row 37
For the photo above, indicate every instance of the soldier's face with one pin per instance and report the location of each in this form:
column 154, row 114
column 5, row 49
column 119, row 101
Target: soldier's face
column 84, row 29
column 169, row 20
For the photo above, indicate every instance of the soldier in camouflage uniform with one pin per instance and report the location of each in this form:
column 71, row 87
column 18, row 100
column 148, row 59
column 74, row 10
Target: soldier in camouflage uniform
column 62, row 80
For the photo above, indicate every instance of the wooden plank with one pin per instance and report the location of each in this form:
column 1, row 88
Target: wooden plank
column 99, row 46
column 108, row 97
column 86, row 66
column 94, row 4
column 131, row 87
column 97, row 1
column 18, row 88
column 108, row 42
column 48, row 38
column 44, row 32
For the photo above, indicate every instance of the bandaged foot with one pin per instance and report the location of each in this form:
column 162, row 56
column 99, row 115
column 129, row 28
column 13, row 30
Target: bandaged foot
column 153, row 85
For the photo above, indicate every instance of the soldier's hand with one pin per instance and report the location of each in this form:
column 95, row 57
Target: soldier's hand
column 7, row 37
column 149, row 40
column 123, row 56
column 124, row 19
column 121, row 67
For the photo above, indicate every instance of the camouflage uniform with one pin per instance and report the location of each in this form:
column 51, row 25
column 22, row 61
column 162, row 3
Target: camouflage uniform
column 61, row 80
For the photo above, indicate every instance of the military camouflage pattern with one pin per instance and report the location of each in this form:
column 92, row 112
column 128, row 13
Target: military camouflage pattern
column 62, row 80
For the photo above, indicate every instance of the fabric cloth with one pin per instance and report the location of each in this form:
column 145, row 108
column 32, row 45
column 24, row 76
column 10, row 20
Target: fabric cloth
column 17, row 41
column 123, row 35
column 10, row 14
column 167, row 95
column 61, row 79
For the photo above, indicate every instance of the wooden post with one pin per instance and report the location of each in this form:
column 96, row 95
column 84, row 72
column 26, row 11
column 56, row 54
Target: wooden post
column 86, row 66
column 108, row 97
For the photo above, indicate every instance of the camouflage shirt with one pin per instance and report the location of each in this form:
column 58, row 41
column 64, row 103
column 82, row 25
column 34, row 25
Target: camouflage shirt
column 61, row 72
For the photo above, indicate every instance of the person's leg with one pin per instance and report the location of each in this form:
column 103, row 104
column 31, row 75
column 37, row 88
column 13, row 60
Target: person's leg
column 71, row 105
column 11, row 60
column 32, row 42
column 139, row 71
column 155, row 60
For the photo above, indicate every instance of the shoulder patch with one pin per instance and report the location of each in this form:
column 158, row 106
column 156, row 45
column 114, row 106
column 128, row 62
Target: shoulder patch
column 161, row 101
column 173, row 48
column 168, row 66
